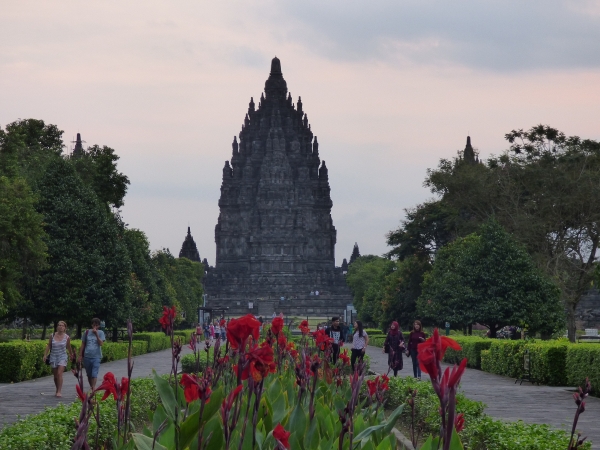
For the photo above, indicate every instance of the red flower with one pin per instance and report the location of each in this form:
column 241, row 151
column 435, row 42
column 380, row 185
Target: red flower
column 276, row 325
column 80, row 393
column 282, row 341
column 432, row 351
column 222, row 323
column 344, row 357
column 228, row 402
column 238, row 330
column 281, row 435
column 456, row 374
column 109, row 386
column 459, row 422
column 194, row 388
column 260, row 363
column 372, row 385
column 168, row 317
column 322, row 340
column 304, row 327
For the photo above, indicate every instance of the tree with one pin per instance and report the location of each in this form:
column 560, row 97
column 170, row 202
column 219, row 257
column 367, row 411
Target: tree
column 97, row 167
column 545, row 190
column 22, row 249
column 401, row 290
column 88, row 264
column 488, row 278
column 365, row 277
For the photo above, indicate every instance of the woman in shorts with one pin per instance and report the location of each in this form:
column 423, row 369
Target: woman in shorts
column 58, row 346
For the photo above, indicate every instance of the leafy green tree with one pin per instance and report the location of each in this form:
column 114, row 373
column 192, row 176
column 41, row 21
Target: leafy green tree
column 488, row 278
column 89, row 265
column 189, row 287
column 545, row 190
column 401, row 290
column 22, row 249
column 97, row 167
column 366, row 277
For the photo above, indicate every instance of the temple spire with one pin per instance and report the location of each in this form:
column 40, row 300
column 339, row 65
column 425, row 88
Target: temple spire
column 355, row 253
column 189, row 249
column 469, row 153
column 78, row 150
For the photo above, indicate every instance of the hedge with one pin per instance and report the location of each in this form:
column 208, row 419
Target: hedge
column 472, row 346
column 583, row 361
column 504, row 357
column 54, row 427
column 156, row 341
column 548, row 361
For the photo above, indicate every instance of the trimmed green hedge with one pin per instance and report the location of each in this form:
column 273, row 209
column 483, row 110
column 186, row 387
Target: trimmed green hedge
column 504, row 357
column 583, row 361
column 548, row 361
column 54, row 427
column 156, row 341
column 472, row 346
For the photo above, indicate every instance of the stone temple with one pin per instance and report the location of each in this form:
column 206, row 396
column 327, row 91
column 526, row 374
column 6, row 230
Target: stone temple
column 275, row 237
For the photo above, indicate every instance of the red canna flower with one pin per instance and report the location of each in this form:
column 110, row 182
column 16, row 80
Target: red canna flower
column 276, row 325
column 260, row 363
column 345, row 358
column 304, row 327
column 228, row 402
column 322, row 340
column 168, row 317
column 372, row 386
column 459, row 422
column 80, row 393
column 439, row 344
column 238, row 330
column 456, row 374
column 194, row 388
column 281, row 435
column 282, row 341
column 109, row 386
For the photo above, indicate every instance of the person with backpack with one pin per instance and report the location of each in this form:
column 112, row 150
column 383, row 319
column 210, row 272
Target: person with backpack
column 91, row 351
column 336, row 333
column 55, row 354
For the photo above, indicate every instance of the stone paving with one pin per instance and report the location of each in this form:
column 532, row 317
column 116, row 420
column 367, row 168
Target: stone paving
column 509, row 401
column 30, row 397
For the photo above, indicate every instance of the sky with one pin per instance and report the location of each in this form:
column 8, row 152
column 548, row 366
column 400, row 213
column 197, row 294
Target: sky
column 390, row 87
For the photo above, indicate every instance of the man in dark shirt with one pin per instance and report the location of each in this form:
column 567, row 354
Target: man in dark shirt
column 336, row 333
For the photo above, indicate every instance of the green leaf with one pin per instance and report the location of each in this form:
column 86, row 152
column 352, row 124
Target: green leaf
column 279, row 409
column 167, row 397
column 298, row 421
column 455, row 443
column 431, row 444
column 145, row 443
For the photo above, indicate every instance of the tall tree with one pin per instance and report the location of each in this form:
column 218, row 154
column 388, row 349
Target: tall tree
column 97, row 167
column 488, row 278
column 546, row 191
column 89, row 266
column 22, row 249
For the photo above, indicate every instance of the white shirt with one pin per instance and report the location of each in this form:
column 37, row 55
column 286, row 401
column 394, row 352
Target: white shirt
column 358, row 343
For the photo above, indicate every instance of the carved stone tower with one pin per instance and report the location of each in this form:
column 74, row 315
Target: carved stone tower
column 275, row 237
column 189, row 249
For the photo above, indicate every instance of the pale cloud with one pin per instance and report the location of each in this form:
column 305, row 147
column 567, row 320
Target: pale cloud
column 389, row 87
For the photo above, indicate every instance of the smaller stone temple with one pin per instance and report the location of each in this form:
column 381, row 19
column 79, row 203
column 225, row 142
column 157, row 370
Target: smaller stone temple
column 189, row 249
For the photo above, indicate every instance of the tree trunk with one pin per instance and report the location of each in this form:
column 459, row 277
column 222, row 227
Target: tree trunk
column 470, row 329
column 115, row 335
column 24, row 333
column 78, row 331
column 465, row 330
column 493, row 330
column 43, row 338
column 571, row 325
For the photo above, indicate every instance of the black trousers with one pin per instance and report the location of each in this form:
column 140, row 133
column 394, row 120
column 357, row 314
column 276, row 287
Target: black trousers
column 356, row 354
column 335, row 353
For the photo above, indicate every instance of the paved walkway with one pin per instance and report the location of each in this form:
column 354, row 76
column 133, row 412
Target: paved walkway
column 30, row 397
column 509, row 401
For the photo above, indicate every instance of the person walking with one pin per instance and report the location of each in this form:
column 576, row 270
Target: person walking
column 217, row 330
column 57, row 348
column 206, row 329
column 336, row 333
column 415, row 337
column 223, row 326
column 198, row 333
column 211, row 329
column 360, row 340
column 394, row 347
column 91, row 351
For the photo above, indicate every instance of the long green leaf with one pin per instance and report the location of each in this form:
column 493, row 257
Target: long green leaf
column 167, row 396
column 145, row 443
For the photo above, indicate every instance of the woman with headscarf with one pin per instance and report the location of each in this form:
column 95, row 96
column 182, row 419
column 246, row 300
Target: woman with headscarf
column 394, row 347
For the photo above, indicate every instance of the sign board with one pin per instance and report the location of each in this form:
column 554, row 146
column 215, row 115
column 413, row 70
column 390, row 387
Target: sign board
column 250, row 305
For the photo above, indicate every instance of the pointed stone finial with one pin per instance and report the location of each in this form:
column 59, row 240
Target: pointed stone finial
column 234, row 145
column 189, row 232
column 275, row 66
column 355, row 254
column 323, row 172
column 78, row 150
column 251, row 105
column 316, row 147
column 469, row 154
column 299, row 105
column 305, row 120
